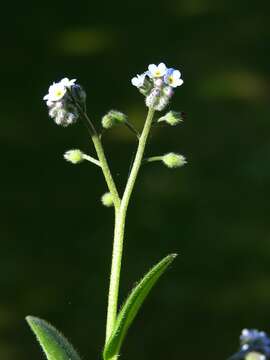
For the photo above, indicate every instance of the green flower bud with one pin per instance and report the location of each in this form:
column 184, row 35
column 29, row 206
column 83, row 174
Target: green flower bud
column 172, row 118
column 112, row 118
column 173, row 160
column 74, row 156
column 107, row 199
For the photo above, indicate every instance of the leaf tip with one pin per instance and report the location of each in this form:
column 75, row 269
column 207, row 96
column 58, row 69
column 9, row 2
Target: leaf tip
column 33, row 320
column 30, row 319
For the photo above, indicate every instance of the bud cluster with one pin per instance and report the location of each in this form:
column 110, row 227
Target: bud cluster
column 61, row 101
column 172, row 118
column 74, row 156
column 157, row 85
column 112, row 118
column 255, row 345
column 172, row 160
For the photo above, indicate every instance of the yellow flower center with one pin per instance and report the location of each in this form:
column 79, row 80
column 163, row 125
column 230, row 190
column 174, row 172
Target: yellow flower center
column 59, row 93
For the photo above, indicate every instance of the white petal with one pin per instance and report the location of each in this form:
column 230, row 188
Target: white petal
column 64, row 81
column 49, row 103
column 176, row 74
column 179, row 82
column 162, row 68
column 134, row 81
column 152, row 68
column 67, row 83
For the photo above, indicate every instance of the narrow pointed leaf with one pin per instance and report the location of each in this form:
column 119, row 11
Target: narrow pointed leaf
column 53, row 343
column 132, row 306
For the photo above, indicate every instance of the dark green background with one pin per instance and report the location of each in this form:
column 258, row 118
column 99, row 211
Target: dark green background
column 56, row 237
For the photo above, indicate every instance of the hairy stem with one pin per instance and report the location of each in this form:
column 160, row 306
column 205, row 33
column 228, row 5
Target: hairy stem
column 120, row 219
column 106, row 171
column 100, row 152
column 91, row 159
column 154, row 158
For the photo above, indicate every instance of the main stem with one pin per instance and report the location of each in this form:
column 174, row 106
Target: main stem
column 119, row 229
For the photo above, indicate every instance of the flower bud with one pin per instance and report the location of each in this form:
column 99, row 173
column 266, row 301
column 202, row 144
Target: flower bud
column 74, row 156
column 162, row 103
column 112, row 118
column 153, row 98
column 172, row 160
column 78, row 93
column 172, row 118
column 107, row 199
column 168, row 91
column 158, row 83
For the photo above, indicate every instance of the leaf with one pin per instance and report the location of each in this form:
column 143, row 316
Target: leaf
column 53, row 343
column 132, row 306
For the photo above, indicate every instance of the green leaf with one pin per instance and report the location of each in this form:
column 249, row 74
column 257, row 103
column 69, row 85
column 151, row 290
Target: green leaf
column 53, row 343
column 132, row 306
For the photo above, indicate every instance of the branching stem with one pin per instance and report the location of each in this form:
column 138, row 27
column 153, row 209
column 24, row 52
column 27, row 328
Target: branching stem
column 120, row 220
column 120, row 207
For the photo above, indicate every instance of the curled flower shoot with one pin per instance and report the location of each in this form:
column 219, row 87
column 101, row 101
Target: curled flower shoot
column 157, row 85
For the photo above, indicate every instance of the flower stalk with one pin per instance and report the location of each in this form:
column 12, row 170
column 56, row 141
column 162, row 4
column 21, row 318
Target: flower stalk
column 120, row 220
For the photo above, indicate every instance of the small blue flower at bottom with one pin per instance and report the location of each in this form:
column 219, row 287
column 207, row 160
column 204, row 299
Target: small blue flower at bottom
column 254, row 345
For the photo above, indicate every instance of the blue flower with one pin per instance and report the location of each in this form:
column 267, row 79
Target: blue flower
column 173, row 78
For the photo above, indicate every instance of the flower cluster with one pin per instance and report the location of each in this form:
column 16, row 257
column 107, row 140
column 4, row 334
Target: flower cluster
column 157, row 85
column 61, row 100
column 255, row 345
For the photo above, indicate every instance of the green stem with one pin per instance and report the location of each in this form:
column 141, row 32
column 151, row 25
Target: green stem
column 154, row 158
column 106, row 171
column 100, row 152
column 120, row 219
column 91, row 159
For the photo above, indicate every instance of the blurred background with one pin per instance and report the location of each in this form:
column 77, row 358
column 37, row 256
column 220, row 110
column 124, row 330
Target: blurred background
column 55, row 234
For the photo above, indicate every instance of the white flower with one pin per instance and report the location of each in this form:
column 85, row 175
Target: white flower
column 58, row 90
column 139, row 80
column 157, row 71
column 67, row 83
column 173, row 78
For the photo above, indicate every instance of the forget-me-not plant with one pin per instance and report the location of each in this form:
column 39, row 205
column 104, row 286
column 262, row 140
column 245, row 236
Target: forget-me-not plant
column 66, row 102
